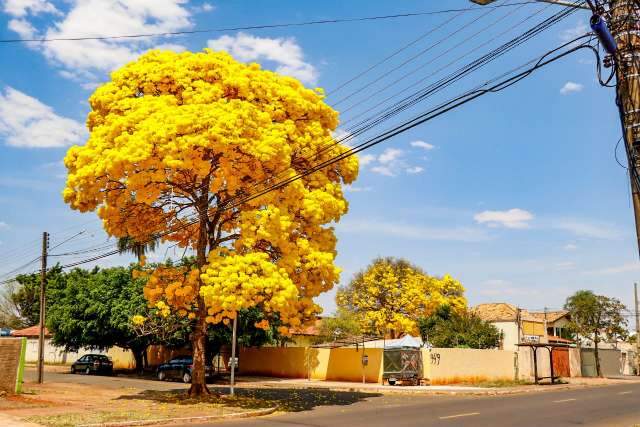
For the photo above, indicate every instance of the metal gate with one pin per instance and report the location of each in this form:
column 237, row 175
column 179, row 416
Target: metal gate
column 561, row 365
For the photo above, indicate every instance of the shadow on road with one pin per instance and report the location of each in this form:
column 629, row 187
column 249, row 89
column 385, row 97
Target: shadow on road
column 287, row 399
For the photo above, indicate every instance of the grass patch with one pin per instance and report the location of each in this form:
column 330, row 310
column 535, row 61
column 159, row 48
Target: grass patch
column 152, row 412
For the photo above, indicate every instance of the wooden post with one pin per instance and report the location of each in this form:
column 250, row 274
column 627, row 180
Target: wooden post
column 41, row 323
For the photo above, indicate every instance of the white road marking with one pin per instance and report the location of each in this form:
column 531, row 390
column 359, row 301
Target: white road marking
column 564, row 400
column 625, row 392
column 460, row 415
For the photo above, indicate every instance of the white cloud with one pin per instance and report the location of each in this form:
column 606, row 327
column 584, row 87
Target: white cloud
column 4, row 224
column 500, row 288
column 85, row 58
column 383, row 170
column 345, row 137
column 27, row 122
column 571, row 33
column 422, row 144
column 581, row 228
column 623, row 268
column 352, row 189
column 412, row 232
column 565, row 265
column 284, row 52
column 570, row 247
column 24, row 29
column 390, row 163
column 205, row 7
column 365, row 159
column 20, row 8
column 571, row 87
column 389, row 155
column 512, row 218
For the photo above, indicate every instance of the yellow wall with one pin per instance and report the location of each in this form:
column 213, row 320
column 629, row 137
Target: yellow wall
column 532, row 328
column 455, row 365
column 341, row 364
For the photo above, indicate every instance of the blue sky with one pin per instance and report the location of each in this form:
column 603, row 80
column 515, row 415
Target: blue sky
column 517, row 194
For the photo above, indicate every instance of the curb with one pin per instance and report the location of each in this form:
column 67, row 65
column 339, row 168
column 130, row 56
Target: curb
column 491, row 392
column 248, row 414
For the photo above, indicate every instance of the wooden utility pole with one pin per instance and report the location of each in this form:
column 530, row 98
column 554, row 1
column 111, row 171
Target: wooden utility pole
column 43, row 288
column 624, row 26
column 635, row 294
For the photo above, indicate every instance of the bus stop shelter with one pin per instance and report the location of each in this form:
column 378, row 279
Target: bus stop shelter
column 549, row 346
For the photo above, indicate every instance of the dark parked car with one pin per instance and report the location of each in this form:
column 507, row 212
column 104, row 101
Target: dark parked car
column 179, row 368
column 93, row 363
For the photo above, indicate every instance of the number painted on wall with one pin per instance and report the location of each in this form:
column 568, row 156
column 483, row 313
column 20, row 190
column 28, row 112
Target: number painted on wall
column 435, row 358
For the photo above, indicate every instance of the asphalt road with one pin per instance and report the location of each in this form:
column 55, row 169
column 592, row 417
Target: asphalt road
column 617, row 405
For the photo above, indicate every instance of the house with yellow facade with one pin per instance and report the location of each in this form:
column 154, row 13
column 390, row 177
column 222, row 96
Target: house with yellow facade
column 522, row 326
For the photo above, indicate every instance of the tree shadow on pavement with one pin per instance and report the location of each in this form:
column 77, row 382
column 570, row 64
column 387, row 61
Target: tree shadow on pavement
column 287, row 399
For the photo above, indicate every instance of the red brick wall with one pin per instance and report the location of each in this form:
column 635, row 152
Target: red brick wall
column 9, row 360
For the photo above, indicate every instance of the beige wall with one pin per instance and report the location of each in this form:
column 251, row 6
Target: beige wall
column 510, row 335
column 574, row 362
column 341, row 364
column 455, row 365
column 525, row 363
column 53, row 354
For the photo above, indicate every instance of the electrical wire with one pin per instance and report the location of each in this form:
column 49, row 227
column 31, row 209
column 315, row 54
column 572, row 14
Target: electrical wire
column 430, row 115
column 259, row 27
column 416, row 121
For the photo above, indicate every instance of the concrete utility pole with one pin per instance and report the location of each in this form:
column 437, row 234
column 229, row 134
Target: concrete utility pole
column 624, row 28
column 43, row 288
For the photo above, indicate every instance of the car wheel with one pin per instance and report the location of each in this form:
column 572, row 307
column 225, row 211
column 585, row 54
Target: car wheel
column 73, row 370
column 162, row 376
column 87, row 371
column 186, row 378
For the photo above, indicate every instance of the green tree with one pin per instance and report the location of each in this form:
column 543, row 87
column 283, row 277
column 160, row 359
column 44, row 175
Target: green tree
column 128, row 244
column 449, row 328
column 596, row 317
column 21, row 303
column 345, row 323
column 94, row 310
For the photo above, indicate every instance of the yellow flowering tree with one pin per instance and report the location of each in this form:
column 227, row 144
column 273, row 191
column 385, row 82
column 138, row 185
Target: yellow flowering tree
column 390, row 295
column 177, row 143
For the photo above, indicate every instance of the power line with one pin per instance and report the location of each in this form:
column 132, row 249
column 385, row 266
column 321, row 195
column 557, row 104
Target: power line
column 261, row 26
column 422, row 118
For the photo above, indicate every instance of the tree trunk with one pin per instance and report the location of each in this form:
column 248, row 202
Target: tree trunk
column 138, row 355
column 198, row 342
column 198, row 337
column 596, row 339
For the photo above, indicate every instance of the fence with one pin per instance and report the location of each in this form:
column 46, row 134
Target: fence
column 456, row 365
column 338, row 364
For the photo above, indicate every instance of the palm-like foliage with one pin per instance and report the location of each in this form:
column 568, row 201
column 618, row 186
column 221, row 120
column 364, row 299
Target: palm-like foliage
column 127, row 244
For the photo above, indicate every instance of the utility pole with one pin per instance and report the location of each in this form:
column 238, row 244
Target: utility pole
column 43, row 288
column 624, row 29
column 233, row 356
column 635, row 294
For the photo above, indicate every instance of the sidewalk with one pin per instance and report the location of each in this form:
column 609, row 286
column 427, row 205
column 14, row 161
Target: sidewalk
column 570, row 383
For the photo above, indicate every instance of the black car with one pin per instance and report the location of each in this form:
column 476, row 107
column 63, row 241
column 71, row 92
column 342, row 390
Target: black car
column 93, row 363
column 179, row 368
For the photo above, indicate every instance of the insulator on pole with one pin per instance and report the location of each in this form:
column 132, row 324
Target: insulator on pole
column 599, row 26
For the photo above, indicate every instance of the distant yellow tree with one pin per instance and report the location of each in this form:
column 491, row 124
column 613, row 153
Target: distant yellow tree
column 177, row 143
column 390, row 295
